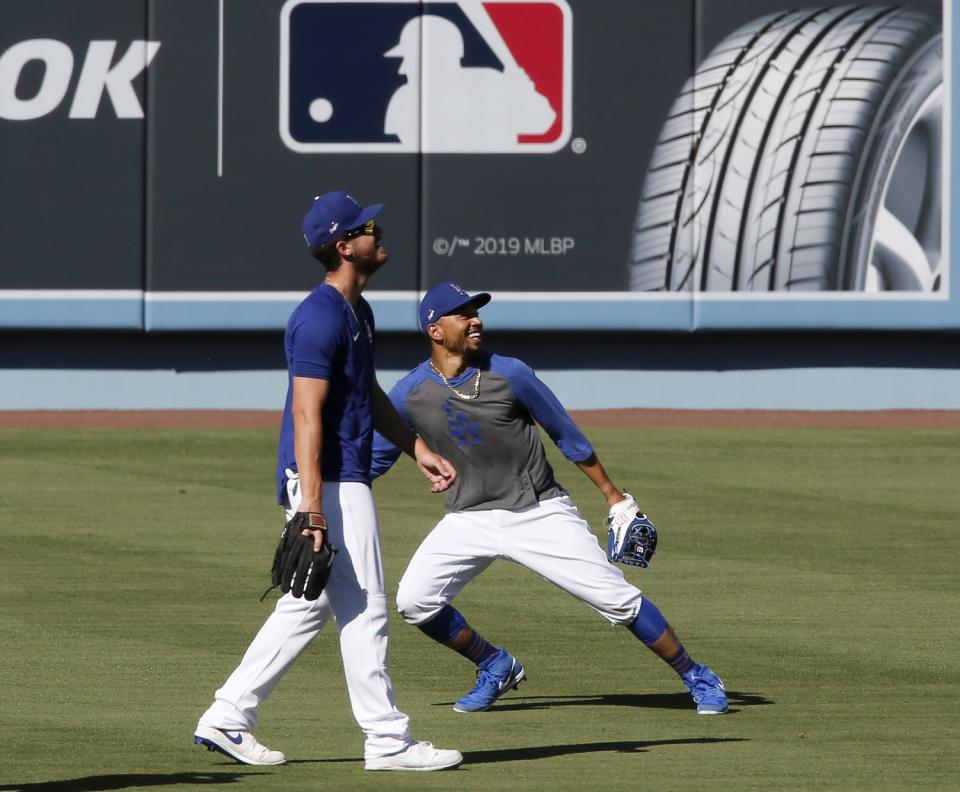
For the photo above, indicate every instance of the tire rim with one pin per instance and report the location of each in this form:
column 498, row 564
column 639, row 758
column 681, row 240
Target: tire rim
column 906, row 249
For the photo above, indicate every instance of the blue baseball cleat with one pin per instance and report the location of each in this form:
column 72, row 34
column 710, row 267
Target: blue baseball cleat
column 707, row 690
column 495, row 676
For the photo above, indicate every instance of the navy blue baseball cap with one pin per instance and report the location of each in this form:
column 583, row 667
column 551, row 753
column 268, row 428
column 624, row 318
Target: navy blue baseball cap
column 445, row 298
column 332, row 215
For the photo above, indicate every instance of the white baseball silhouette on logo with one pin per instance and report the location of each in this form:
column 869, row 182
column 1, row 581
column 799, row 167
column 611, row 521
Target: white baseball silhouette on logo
column 445, row 107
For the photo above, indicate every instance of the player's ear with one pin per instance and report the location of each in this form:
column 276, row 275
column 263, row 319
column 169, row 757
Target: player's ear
column 434, row 331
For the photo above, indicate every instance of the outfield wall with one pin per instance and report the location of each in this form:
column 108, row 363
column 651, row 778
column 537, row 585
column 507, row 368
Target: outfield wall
column 155, row 159
column 589, row 162
column 819, row 371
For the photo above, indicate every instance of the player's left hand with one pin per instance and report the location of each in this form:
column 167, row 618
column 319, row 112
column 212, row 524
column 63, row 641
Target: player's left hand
column 437, row 470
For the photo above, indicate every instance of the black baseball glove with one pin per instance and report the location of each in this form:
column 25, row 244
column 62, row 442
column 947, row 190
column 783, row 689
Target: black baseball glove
column 297, row 568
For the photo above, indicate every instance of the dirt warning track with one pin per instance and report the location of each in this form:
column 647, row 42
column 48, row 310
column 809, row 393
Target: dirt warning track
column 255, row 419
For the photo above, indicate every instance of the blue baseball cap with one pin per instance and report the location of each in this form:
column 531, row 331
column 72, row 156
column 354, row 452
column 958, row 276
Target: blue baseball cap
column 333, row 214
column 445, row 298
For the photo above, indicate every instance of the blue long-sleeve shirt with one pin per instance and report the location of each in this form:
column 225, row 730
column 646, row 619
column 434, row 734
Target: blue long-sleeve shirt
column 492, row 440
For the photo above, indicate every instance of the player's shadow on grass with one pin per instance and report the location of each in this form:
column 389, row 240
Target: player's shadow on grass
column 548, row 751
column 104, row 783
column 644, row 700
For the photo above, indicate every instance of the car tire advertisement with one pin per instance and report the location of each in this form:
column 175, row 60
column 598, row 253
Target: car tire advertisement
column 695, row 165
column 805, row 153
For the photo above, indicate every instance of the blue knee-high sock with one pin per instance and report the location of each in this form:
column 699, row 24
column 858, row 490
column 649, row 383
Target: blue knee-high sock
column 649, row 626
column 447, row 625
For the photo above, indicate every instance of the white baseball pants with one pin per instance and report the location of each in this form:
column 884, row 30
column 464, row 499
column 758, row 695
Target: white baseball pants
column 356, row 599
column 551, row 539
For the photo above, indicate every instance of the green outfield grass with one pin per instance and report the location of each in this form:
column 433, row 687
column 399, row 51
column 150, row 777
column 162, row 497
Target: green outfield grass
column 816, row 570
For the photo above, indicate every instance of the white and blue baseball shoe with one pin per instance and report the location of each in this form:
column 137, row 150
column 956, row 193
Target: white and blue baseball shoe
column 238, row 745
column 495, row 676
column 420, row 756
column 707, row 690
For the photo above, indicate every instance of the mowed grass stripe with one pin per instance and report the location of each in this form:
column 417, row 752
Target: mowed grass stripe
column 814, row 569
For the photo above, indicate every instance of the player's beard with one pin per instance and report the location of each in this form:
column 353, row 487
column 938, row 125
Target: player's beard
column 369, row 268
column 369, row 264
column 464, row 345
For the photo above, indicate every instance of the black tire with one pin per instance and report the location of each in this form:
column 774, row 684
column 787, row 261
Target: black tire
column 772, row 165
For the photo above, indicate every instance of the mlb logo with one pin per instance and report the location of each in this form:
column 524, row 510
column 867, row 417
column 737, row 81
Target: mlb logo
column 461, row 76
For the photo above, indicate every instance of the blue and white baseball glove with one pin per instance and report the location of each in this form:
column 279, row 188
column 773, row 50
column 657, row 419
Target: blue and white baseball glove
column 631, row 537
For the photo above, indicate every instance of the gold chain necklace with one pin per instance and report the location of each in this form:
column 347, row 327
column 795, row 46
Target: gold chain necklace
column 464, row 396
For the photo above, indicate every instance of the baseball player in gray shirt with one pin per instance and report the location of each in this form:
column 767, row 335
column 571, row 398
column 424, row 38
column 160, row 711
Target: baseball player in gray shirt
column 481, row 411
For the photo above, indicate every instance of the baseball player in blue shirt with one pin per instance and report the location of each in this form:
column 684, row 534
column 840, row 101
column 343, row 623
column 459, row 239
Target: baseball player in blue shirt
column 323, row 471
column 480, row 411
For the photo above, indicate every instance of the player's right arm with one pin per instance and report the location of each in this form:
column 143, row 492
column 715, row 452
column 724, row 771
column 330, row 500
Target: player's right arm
column 309, row 395
column 318, row 334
